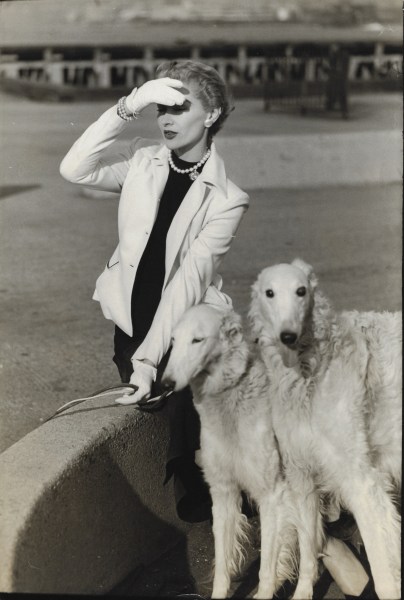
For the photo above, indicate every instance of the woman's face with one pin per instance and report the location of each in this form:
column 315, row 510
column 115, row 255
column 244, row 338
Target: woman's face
column 183, row 126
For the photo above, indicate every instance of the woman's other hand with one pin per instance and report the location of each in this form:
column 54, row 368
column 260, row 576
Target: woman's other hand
column 159, row 91
column 143, row 377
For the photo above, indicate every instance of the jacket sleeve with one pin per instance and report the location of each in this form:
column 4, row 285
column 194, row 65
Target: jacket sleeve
column 86, row 164
column 192, row 278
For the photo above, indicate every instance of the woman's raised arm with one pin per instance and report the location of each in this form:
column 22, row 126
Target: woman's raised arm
column 84, row 163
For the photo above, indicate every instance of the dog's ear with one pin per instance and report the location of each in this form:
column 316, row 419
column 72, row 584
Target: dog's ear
column 231, row 328
column 255, row 289
column 254, row 312
column 307, row 270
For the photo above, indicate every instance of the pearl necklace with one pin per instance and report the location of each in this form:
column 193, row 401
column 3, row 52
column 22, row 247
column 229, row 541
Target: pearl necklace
column 192, row 171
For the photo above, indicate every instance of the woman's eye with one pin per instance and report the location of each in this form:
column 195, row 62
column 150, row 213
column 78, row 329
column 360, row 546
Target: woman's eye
column 177, row 108
column 269, row 293
column 197, row 340
column 301, row 291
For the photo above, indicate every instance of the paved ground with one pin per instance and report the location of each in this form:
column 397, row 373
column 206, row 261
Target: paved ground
column 24, row 118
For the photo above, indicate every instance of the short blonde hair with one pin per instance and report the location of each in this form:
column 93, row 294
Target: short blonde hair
column 213, row 92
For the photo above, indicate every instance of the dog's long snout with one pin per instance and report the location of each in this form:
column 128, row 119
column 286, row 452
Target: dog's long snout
column 288, row 338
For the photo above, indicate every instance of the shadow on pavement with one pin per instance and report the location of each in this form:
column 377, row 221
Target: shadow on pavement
column 91, row 529
column 11, row 190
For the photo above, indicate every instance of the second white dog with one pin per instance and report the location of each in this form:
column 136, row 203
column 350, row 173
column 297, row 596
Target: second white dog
column 238, row 446
column 336, row 397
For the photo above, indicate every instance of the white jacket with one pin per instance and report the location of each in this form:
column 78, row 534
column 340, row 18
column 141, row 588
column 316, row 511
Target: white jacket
column 199, row 236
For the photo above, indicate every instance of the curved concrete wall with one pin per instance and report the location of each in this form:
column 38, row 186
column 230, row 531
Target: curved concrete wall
column 82, row 501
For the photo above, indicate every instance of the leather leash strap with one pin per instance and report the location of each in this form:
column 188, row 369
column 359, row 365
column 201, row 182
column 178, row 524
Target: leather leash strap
column 143, row 405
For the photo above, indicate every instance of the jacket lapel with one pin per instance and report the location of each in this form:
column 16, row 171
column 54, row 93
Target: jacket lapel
column 160, row 168
column 213, row 175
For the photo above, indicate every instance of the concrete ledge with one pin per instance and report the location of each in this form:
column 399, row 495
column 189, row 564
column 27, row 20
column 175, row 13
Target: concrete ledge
column 298, row 161
column 82, row 502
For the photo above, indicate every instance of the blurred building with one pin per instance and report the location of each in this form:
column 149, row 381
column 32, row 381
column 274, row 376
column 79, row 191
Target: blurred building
column 103, row 44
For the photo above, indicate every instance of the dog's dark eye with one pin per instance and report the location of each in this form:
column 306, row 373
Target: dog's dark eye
column 269, row 293
column 197, row 340
column 301, row 291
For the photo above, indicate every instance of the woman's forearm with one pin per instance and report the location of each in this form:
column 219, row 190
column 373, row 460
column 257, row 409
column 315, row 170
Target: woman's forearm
column 83, row 164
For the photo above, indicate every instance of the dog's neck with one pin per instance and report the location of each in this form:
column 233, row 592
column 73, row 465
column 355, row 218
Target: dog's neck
column 319, row 339
column 223, row 374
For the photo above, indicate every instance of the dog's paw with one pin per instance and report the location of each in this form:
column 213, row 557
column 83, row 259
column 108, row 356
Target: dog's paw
column 303, row 594
column 220, row 590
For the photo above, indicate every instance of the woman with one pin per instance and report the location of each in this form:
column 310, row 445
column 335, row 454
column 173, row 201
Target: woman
column 178, row 215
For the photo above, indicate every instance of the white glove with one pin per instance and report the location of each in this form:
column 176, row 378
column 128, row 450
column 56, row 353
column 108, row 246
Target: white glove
column 143, row 377
column 160, row 91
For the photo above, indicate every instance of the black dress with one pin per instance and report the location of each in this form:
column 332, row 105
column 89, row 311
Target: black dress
column 192, row 494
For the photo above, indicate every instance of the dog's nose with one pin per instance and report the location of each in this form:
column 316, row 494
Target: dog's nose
column 288, row 338
column 168, row 383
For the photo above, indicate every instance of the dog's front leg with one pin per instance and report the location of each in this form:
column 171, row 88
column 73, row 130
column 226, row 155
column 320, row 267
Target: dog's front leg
column 228, row 532
column 379, row 526
column 271, row 530
column 309, row 533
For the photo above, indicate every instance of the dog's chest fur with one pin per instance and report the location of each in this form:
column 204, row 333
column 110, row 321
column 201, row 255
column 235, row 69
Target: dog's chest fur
column 310, row 420
column 319, row 418
column 236, row 423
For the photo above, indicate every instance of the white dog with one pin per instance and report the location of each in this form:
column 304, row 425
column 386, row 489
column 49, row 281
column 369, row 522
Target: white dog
column 238, row 447
column 336, row 398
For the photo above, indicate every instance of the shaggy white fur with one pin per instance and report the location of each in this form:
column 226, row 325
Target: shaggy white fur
column 336, row 409
column 238, row 447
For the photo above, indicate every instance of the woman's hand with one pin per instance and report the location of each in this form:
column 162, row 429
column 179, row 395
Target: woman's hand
column 143, row 377
column 160, row 91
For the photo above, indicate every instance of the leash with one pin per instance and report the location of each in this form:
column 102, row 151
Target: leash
column 152, row 405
